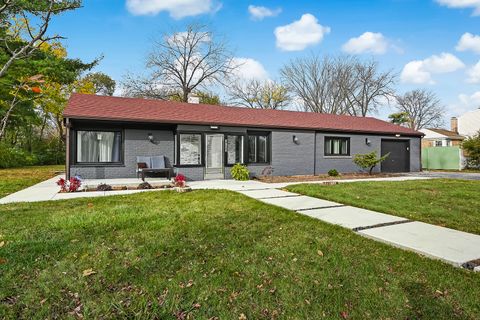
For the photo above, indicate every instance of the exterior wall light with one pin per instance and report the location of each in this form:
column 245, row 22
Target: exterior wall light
column 397, row 135
column 214, row 127
column 295, row 139
column 150, row 137
column 368, row 141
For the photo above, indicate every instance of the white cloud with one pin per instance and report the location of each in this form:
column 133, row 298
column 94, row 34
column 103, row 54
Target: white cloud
column 420, row 71
column 462, row 4
column 249, row 69
column 176, row 8
column 369, row 42
column 300, row 34
column 472, row 100
column 259, row 12
column 474, row 74
column 469, row 42
column 466, row 102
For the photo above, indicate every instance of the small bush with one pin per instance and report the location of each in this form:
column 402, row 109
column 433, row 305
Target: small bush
column 180, row 180
column 240, row 172
column 104, row 187
column 144, row 186
column 368, row 161
column 333, row 173
column 71, row 185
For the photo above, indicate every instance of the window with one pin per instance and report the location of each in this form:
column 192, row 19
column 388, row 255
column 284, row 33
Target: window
column 336, row 146
column 234, row 148
column 438, row 143
column 258, row 148
column 99, row 146
column 190, row 149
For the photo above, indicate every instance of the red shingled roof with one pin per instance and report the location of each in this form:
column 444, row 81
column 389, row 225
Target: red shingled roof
column 84, row 106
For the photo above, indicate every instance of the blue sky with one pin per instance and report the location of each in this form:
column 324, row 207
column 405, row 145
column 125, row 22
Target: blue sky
column 432, row 44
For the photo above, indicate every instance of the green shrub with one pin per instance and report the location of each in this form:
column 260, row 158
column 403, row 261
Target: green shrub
column 368, row 161
column 333, row 173
column 240, row 172
column 472, row 148
column 11, row 157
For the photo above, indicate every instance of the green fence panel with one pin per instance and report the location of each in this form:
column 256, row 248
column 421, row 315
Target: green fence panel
column 441, row 158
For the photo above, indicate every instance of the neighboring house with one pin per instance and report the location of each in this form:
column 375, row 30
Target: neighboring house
column 468, row 123
column 440, row 138
column 105, row 135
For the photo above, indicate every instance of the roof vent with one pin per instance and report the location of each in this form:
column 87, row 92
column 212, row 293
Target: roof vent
column 193, row 98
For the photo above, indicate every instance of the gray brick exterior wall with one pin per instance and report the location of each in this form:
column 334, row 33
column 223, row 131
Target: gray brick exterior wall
column 358, row 146
column 287, row 157
column 136, row 144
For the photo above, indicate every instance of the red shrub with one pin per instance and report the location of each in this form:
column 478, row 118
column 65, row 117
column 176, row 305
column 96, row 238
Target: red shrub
column 71, row 185
column 180, row 180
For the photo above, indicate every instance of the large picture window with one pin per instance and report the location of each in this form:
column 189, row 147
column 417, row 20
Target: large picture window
column 337, row 146
column 190, row 149
column 258, row 148
column 234, row 148
column 99, row 146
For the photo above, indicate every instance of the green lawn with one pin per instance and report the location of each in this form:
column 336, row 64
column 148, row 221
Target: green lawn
column 211, row 255
column 445, row 202
column 13, row 180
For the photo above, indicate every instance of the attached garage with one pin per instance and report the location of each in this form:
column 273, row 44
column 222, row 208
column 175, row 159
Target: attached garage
column 399, row 158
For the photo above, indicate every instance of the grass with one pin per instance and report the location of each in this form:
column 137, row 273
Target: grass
column 211, row 255
column 445, row 202
column 13, row 180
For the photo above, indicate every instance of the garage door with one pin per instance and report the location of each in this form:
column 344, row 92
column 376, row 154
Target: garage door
column 399, row 158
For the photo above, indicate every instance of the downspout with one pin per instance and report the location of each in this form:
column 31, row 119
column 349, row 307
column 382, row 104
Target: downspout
column 67, row 148
column 315, row 153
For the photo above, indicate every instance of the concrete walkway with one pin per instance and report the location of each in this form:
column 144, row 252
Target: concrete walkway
column 452, row 246
column 455, row 247
column 48, row 190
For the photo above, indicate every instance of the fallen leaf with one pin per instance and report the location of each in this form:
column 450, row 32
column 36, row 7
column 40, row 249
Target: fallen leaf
column 344, row 314
column 3, row 261
column 88, row 272
column 242, row 317
column 197, row 305
column 320, row 253
column 2, row 244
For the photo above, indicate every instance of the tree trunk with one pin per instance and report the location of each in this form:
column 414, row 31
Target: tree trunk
column 3, row 123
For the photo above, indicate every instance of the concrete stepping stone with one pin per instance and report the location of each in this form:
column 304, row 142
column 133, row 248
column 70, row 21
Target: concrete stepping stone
column 455, row 247
column 268, row 193
column 300, row 203
column 352, row 217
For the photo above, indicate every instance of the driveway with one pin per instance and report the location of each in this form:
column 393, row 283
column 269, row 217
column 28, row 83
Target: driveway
column 448, row 175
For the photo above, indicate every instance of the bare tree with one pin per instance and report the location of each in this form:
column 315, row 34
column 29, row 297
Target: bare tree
column 342, row 85
column 422, row 107
column 308, row 79
column 259, row 95
column 370, row 88
column 33, row 36
column 184, row 62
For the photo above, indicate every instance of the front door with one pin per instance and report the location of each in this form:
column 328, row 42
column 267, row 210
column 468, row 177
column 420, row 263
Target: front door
column 214, row 168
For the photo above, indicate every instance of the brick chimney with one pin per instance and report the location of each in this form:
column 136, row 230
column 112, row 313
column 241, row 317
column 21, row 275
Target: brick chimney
column 193, row 98
column 454, row 124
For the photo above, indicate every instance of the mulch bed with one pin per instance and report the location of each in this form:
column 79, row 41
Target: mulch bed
column 306, row 178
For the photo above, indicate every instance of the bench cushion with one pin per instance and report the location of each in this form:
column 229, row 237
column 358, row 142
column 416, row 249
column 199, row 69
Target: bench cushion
column 158, row 162
column 144, row 160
